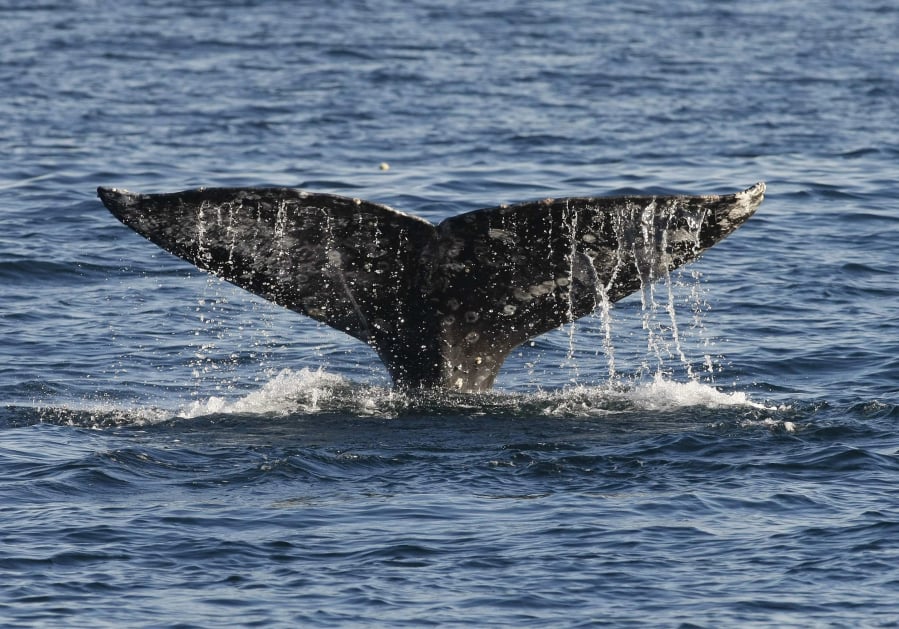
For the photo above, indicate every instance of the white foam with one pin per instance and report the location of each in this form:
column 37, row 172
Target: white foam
column 664, row 394
column 307, row 391
column 656, row 395
column 99, row 415
column 288, row 392
column 312, row 391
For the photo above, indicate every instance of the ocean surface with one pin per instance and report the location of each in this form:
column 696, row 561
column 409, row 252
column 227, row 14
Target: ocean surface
column 722, row 450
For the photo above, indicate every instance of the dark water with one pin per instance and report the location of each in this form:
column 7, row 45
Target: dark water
column 175, row 452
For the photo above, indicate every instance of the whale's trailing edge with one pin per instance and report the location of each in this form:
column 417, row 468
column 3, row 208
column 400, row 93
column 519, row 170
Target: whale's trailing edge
column 442, row 305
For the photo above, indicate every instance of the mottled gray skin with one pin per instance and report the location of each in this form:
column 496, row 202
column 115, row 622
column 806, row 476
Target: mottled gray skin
column 442, row 305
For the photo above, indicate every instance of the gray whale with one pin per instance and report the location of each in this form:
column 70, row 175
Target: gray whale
column 442, row 305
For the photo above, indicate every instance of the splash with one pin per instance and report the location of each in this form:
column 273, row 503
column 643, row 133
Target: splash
column 308, row 392
column 664, row 394
column 303, row 391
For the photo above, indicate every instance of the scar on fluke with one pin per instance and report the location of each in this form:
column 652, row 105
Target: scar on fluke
column 442, row 305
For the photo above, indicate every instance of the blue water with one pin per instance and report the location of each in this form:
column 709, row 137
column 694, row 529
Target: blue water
column 176, row 452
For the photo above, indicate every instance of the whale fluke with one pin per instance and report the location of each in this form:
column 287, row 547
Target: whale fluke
column 442, row 305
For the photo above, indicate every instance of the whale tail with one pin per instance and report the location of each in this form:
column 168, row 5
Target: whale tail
column 442, row 305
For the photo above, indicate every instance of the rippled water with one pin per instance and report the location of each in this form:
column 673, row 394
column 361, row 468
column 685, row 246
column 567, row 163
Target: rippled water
column 176, row 452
